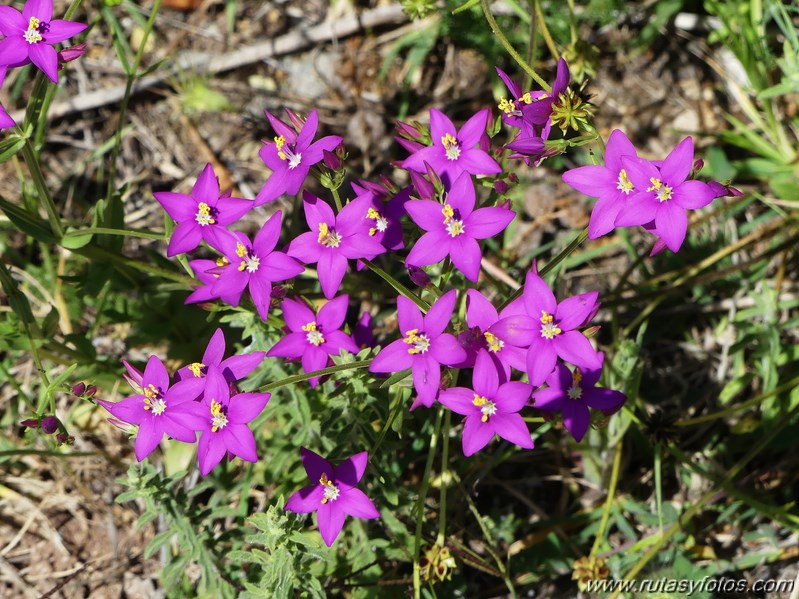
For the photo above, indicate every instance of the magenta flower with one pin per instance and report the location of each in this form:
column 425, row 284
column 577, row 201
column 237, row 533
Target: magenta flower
column 453, row 228
column 453, row 151
column 512, row 109
column 207, row 271
column 159, row 409
column 663, row 194
column 314, row 337
column 233, row 368
column 573, row 393
column 224, row 424
column 609, row 183
column 423, row 348
column 538, row 111
column 333, row 239
column 31, row 34
column 5, row 120
column 384, row 217
column 490, row 408
column 504, row 337
column 202, row 214
column 334, row 494
column 254, row 266
column 291, row 157
column 555, row 333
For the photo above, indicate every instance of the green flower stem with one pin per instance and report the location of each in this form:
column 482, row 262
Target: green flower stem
column 539, row 14
column 417, row 538
column 489, row 545
column 337, row 199
column 29, row 155
column 442, row 510
column 298, row 378
column 614, row 479
column 576, row 242
column 107, row 231
column 399, row 287
column 510, row 49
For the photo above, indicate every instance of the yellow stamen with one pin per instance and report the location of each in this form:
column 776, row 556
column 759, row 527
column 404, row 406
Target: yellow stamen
column 420, row 343
column 327, row 237
column 624, row 184
column 527, row 98
column 222, row 261
column 331, row 490
column 313, row 335
column 487, row 407
column 280, row 141
column 575, row 391
column 218, row 417
column 451, row 146
column 196, row 369
column 241, row 250
column 507, row 106
column 548, row 329
column 448, row 213
column 495, row 344
column 662, row 191
column 32, row 34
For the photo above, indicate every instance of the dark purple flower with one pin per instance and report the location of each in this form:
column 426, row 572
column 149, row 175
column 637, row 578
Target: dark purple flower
column 609, row 184
column 555, row 333
column 334, row 494
column 291, row 157
column 224, row 426
column 573, row 393
column 453, row 151
column 385, row 217
column 160, row 409
column 254, row 266
column 314, row 337
column 490, row 408
column 454, row 227
column 5, row 120
column 49, row 424
column 333, row 239
column 539, row 110
column 362, row 333
column 512, row 109
column 423, row 348
column 202, row 214
column 663, row 194
column 419, row 277
column 31, row 34
column 233, row 368
column 79, row 389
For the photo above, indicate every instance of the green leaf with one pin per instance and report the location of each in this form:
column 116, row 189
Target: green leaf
column 74, row 239
column 10, row 146
column 27, row 222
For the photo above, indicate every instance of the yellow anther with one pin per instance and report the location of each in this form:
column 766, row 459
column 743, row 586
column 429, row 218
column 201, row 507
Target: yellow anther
column 372, row 232
column 311, row 326
column 280, row 141
column 577, row 376
column 196, row 369
column 487, row 407
column 449, row 140
column 507, row 106
column 420, row 343
column 624, row 184
column 546, row 317
column 313, row 335
column 150, row 391
column 451, row 146
column 204, row 208
column 575, row 391
column 203, row 216
column 527, row 98
column 494, row 343
column 241, row 250
column 327, row 237
column 662, row 191
column 331, row 491
column 656, row 184
column 222, row 261
column 34, row 23
column 324, row 233
column 218, row 417
column 448, row 213
column 548, row 329
column 479, row 400
column 32, row 34
column 372, row 213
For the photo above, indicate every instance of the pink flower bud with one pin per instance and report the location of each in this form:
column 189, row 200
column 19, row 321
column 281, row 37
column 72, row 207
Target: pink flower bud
column 90, row 392
column 30, row 423
column 78, row 389
column 418, row 276
column 71, row 53
column 331, row 161
column 49, row 424
column 500, row 187
column 408, row 131
column 295, row 119
column 424, row 188
column 698, row 164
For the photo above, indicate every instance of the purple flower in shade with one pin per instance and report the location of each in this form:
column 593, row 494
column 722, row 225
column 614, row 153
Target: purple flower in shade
column 207, row 272
column 333, row 239
column 512, row 109
column 160, row 409
column 555, row 331
column 253, row 265
column 224, row 426
column 385, row 217
column 423, row 348
column 201, row 215
column 233, row 368
column 291, row 156
column 362, row 333
column 5, row 120
column 31, row 34
column 573, row 393
column 609, row 183
column 314, row 337
column 334, row 494
column 490, row 408
column 539, row 110
column 453, row 228
column 663, row 194
column 504, row 337
column 453, row 151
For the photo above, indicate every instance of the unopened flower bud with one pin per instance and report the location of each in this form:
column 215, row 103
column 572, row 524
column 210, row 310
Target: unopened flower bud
column 698, row 164
column 278, row 292
column 49, row 424
column 71, row 53
column 90, row 392
column 433, row 176
column 30, row 423
column 64, row 439
column 424, row 189
column 418, row 276
column 331, row 161
column 408, row 131
column 500, row 187
column 389, row 185
column 78, row 389
column 295, row 119
column 513, row 177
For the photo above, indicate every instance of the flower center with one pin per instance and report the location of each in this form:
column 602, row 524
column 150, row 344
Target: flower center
column 548, row 328
column 218, row 416
column 452, row 221
column 575, row 391
column 381, row 222
column 33, row 34
column 487, row 407
column 419, row 341
column 154, row 400
column 249, row 260
column 286, row 153
column 313, row 335
column 662, row 191
column 624, row 184
column 495, row 344
column 205, row 215
column 451, row 147
column 331, row 490
column 328, row 237
column 509, row 107
column 197, row 369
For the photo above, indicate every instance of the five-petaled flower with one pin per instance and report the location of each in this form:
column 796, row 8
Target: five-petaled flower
column 202, row 214
column 31, row 34
column 314, row 337
column 291, row 156
column 334, row 494
column 333, row 239
column 453, row 228
column 160, row 409
column 539, row 111
column 423, row 348
column 224, row 425
column 572, row 393
column 454, row 151
column 490, row 408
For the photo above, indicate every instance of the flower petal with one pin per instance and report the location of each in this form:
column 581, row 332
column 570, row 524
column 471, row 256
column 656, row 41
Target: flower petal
column 315, row 465
column 538, row 297
column 409, row 315
column 351, row 470
column 356, row 504
column 576, row 418
column 591, row 180
column 476, row 434
column 427, row 214
column 155, row 374
column 178, row 206
column 331, row 316
column 639, row 209
column 210, row 451
column 672, row 225
column 240, row 441
column 331, row 268
column 485, row 380
column 541, row 360
column 59, row 30
column 440, row 125
column 466, row 256
column 245, row 407
column 677, row 165
column 573, row 311
column 12, row 23
column 306, row 500
column 459, row 400
column 512, row 428
column 426, row 378
column 392, row 358
column 147, row 439
column 440, row 313
column 573, row 347
column 46, row 58
column 693, row 195
column 185, row 238
column 292, row 345
column 446, row 350
column 513, row 396
column 13, row 51
column 330, row 519
column 431, row 248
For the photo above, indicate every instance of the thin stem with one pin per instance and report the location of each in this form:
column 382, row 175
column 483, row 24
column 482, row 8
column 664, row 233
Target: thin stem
column 402, row 289
column 298, row 378
column 539, row 14
column 510, row 49
column 29, row 155
column 532, row 45
column 614, row 479
column 442, row 510
column 109, row 231
column 417, row 538
column 337, row 199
